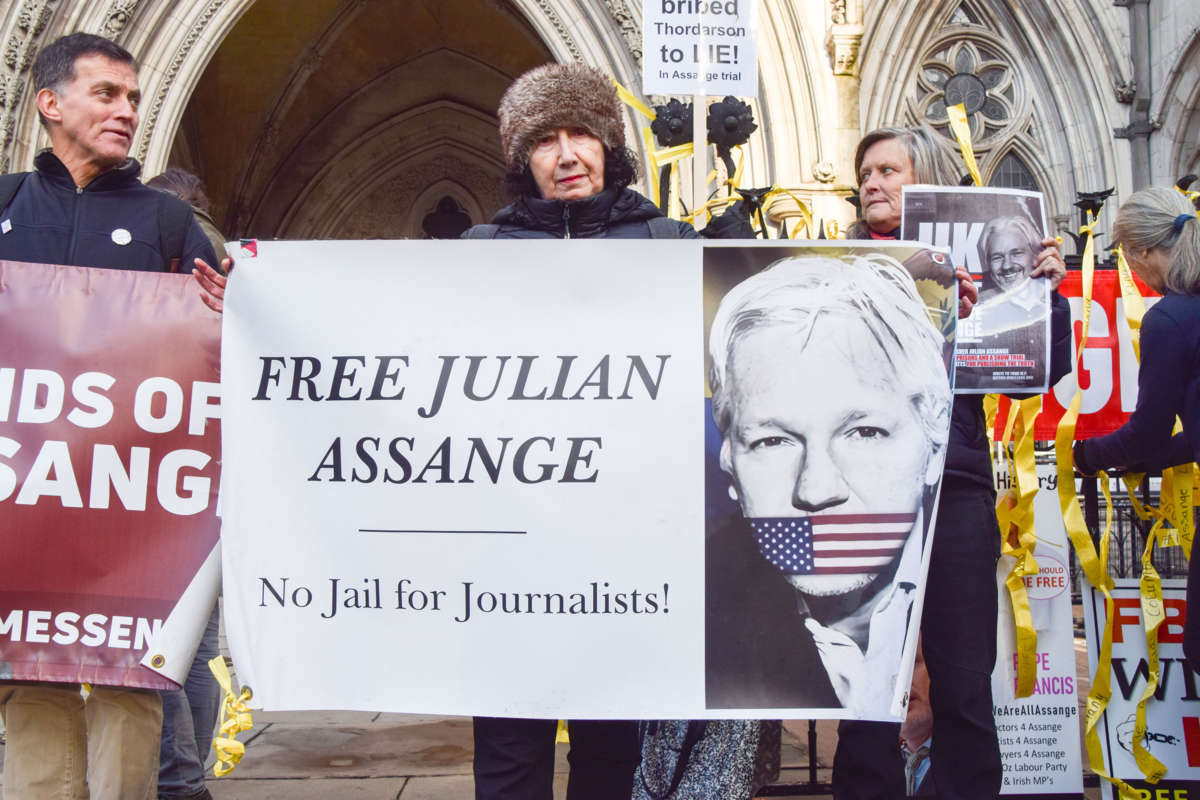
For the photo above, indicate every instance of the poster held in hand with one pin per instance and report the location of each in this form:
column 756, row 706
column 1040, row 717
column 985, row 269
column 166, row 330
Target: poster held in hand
column 1004, row 346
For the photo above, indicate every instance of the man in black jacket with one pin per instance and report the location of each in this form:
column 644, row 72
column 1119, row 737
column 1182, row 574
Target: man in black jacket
column 83, row 205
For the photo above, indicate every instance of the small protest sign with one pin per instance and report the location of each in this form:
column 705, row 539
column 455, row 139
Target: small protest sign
column 1039, row 734
column 1172, row 729
column 693, row 47
column 109, row 426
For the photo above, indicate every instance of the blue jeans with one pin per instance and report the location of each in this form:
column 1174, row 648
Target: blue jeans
column 189, row 716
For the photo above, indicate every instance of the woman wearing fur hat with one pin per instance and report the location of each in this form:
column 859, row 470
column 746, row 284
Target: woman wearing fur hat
column 568, row 168
column 568, row 173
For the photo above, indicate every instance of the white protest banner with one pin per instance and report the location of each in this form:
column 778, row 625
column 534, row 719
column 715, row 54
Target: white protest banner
column 1039, row 734
column 1172, row 713
column 470, row 477
column 457, row 466
column 700, row 47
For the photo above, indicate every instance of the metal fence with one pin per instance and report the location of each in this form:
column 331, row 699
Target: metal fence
column 1127, row 541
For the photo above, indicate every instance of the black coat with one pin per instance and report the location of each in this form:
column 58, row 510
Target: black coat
column 611, row 214
column 52, row 222
column 1168, row 386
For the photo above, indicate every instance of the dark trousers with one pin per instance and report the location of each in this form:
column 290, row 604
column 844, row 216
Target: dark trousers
column 514, row 759
column 958, row 638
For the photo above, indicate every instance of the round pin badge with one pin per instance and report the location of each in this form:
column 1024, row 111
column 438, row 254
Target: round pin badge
column 122, row 237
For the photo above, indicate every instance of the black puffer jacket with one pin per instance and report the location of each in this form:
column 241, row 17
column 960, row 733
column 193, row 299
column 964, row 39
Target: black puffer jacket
column 115, row 221
column 611, row 214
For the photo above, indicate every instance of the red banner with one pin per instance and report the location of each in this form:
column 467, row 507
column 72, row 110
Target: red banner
column 109, row 465
column 1108, row 370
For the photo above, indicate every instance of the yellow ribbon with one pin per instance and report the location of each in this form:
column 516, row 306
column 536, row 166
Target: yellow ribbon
column 1024, row 471
column 778, row 193
column 962, row 132
column 658, row 158
column 1093, row 564
column 1014, row 510
column 631, row 100
column 1135, row 306
column 561, row 734
column 1179, row 485
column 1192, row 196
column 1153, row 615
column 235, row 718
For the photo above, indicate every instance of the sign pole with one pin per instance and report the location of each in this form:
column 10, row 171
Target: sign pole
column 699, row 158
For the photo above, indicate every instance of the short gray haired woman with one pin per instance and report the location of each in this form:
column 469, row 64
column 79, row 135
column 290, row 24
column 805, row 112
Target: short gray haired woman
column 959, row 622
column 1160, row 235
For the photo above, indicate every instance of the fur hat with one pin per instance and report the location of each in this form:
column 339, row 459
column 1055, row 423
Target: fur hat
column 558, row 96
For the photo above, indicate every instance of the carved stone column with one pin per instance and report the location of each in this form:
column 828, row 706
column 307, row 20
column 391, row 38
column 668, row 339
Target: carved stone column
column 22, row 34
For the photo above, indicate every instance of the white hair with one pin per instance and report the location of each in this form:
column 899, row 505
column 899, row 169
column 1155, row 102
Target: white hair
column 876, row 290
column 1148, row 220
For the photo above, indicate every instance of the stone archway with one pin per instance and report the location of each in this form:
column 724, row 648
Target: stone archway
column 243, row 90
column 345, row 98
column 1178, row 116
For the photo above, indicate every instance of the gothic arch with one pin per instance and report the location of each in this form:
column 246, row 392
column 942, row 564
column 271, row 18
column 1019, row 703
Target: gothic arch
column 1020, row 147
column 1178, row 114
column 176, row 39
column 362, row 176
column 1068, row 128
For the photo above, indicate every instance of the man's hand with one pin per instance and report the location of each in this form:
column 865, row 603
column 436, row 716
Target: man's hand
column 1050, row 264
column 968, row 295
column 212, row 283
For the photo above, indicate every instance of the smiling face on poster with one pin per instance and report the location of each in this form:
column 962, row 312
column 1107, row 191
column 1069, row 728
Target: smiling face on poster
column 832, row 478
column 996, row 234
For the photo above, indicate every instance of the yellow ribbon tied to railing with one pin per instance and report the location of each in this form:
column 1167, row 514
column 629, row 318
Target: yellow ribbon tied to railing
column 1093, row 564
column 672, row 156
column 806, row 224
column 235, row 718
column 1018, row 538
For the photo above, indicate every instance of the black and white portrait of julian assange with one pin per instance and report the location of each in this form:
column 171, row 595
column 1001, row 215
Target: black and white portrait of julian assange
column 1009, row 298
column 831, row 397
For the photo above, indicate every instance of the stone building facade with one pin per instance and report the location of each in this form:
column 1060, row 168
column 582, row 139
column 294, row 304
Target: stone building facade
column 357, row 118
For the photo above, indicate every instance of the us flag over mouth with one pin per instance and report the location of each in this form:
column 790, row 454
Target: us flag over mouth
column 832, row 544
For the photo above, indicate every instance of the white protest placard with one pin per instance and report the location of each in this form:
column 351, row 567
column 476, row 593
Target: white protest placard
column 425, row 474
column 1039, row 734
column 476, row 477
column 700, row 47
column 1173, row 712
